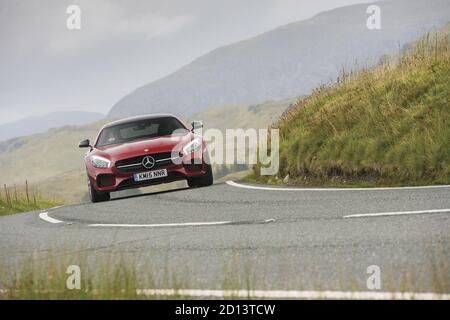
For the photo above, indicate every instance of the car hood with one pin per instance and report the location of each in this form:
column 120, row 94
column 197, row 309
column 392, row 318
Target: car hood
column 136, row 148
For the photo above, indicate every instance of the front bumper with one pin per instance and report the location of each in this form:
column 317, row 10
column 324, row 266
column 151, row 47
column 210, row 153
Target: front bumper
column 111, row 179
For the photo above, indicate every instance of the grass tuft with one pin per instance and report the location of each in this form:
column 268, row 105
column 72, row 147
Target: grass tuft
column 22, row 199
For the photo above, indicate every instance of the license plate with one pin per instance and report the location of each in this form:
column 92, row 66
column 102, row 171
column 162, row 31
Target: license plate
column 150, row 175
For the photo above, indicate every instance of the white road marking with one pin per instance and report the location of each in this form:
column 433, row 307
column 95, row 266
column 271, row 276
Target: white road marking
column 380, row 214
column 292, row 294
column 160, row 225
column 44, row 216
column 181, row 224
column 246, row 186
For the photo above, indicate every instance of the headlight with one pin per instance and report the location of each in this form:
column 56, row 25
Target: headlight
column 193, row 146
column 100, row 162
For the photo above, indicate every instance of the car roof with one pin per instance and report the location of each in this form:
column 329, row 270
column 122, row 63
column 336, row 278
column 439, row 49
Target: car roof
column 138, row 118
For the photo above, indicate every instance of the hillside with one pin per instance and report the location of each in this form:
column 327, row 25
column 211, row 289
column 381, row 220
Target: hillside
column 38, row 124
column 244, row 116
column 56, row 167
column 384, row 126
column 286, row 62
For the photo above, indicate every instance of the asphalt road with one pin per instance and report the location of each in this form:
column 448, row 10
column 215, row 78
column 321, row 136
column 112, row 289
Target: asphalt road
column 209, row 238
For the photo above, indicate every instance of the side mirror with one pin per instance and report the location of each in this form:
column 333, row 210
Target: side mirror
column 84, row 144
column 196, row 125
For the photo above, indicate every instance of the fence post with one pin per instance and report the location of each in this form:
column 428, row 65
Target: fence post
column 26, row 191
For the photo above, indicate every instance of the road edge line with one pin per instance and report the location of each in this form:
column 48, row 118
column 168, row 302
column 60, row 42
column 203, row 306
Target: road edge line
column 246, row 186
column 398, row 213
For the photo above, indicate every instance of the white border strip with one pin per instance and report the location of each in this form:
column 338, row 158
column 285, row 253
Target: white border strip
column 292, row 294
column 246, row 186
column 380, row 214
column 44, row 216
column 286, row 294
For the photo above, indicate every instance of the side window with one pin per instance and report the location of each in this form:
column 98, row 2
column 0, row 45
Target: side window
column 108, row 136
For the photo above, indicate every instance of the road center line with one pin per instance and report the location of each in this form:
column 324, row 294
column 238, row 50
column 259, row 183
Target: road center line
column 380, row 214
column 160, row 225
column 181, row 224
column 44, row 216
column 292, row 294
column 246, row 186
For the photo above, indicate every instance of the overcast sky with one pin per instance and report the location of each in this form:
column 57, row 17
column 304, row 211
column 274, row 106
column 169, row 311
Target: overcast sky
column 122, row 45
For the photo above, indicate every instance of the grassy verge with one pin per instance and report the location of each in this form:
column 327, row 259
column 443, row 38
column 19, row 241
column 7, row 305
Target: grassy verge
column 385, row 126
column 126, row 276
column 21, row 199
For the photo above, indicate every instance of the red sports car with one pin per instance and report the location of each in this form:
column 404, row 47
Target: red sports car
column 145, row 150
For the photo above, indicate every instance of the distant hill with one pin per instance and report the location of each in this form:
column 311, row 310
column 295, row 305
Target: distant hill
column 287, row 62
column 32, row 125
column 389, row 125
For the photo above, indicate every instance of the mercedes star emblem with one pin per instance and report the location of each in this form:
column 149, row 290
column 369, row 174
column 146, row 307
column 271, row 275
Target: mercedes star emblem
column 148, row 162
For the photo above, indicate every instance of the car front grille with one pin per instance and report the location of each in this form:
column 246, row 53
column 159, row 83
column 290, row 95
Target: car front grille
column 132, row 165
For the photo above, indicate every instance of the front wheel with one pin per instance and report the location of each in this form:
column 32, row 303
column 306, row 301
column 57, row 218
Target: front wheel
column 204, row 180
column 95, row 195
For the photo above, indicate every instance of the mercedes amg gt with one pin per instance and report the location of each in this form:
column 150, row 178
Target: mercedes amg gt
column 146, row 150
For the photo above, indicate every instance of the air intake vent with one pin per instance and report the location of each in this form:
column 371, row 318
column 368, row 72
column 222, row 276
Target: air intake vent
column 105, row 180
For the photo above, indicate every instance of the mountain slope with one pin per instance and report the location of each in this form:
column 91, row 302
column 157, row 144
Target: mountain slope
column 32, row 125
column 288, row 61
column 385, row 126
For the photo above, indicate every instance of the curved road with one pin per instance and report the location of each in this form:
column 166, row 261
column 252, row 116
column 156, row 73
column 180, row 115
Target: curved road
column 265, row 238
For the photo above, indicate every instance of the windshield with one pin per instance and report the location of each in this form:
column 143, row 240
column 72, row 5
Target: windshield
column 138, row 130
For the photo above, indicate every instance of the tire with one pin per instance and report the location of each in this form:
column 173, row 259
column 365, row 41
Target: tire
column 204, row 180
column 95, row 195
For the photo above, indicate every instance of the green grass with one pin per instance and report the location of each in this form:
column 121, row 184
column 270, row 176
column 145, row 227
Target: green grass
column 22, row 199
column 109, row 275
column 389, row 125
